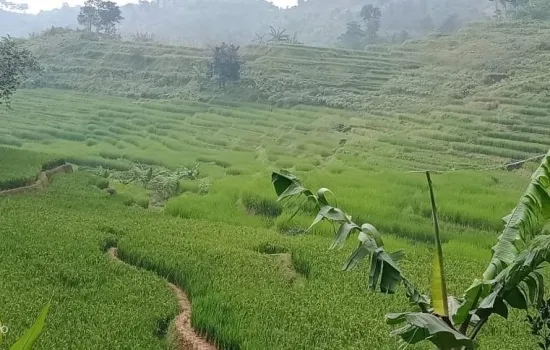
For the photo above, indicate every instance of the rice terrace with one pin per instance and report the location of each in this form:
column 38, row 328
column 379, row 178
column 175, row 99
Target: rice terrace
column 322, row 176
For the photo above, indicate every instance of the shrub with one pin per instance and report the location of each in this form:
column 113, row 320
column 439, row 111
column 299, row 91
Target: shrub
column 261, row 206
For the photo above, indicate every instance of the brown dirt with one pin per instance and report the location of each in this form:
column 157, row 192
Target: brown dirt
column 187, row 337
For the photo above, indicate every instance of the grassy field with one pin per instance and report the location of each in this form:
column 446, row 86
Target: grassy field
column 243, row 296
column 255, row 283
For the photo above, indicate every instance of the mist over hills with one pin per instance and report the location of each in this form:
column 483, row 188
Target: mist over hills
column 314, row 22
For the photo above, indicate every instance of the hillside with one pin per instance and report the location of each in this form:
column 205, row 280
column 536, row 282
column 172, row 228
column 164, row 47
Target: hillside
column 479, row 94
column 129, row 117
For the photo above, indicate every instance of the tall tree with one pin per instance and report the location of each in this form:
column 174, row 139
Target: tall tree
column 225, row 64
column 15, row 64
column 89, row 15
column 353, row 38
column 109, row 16
column 371, row 15
column 103, row 15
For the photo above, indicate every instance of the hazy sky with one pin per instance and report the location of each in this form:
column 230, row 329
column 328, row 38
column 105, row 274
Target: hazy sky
column 37, row 5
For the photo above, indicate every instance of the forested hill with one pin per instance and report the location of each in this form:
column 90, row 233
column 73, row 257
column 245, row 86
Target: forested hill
column 315, row 22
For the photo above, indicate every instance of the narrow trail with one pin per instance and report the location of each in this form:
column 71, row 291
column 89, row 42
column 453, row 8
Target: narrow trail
column 186, row 336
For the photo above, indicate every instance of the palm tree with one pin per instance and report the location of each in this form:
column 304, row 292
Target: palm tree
column 294, row 40
column 278, row 36
column 260, row 38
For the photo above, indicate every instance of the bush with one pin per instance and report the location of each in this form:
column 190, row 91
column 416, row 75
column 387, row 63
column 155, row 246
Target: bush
column 261, row 206
column 53, row 164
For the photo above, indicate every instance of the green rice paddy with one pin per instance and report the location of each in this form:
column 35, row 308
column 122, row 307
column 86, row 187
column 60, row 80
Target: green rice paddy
column 221, row 237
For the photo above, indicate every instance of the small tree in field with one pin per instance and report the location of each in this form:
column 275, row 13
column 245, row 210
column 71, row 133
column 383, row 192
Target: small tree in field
column 15, row 64
column 225, row 64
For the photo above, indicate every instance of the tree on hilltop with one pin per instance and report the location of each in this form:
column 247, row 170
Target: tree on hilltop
column 89, row 15
column 225, row 64
column 353, row 38
column 103, row 15
column 15, row 64
column 371, row 15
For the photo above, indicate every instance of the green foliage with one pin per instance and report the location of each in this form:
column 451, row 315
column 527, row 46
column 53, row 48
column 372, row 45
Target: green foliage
column 21, row 168
column 438, row 286
column 27, row 341
column 523, row 224
column 162, row 183
column 371, row 15
column 384, row 272
column 407, row 115
column 540, row 324
column 353, row 38
column 225, row 64
column 15, row 64
column 513, row 278
column 103, row 15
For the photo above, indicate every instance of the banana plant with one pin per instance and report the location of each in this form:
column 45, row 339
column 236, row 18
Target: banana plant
column 278, row 35
column 512, row 279
column 28, row 339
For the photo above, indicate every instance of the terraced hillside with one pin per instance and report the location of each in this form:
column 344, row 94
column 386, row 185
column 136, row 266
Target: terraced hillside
column 463, row 104
column 278, row 74
column 480, row 93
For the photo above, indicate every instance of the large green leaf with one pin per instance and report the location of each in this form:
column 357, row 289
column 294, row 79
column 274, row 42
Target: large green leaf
column 322, row 196
column 424, row 326
column 522, row 223
column 493, row 303
column 331, row 214
column 371, row 231
column 31, row 335
column 415, row 297
column 520, row 284
column 384, row 272
column 343, row 233
column 286, row 185
column 477, row 291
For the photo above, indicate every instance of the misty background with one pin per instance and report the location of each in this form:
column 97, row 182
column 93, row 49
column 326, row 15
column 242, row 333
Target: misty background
column 312, row 22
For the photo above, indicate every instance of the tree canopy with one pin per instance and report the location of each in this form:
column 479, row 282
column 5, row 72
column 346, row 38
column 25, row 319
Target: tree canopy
column 103, row 15
column 15, row 64
column 225, row 64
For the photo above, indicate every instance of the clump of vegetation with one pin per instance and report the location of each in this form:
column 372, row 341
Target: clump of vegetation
column 261, row 206
column 143, row 37
column 371, row 15
column 225, row 64
column 540, row 324
column 162, row 182
column 15, row 64
column 101, row 15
